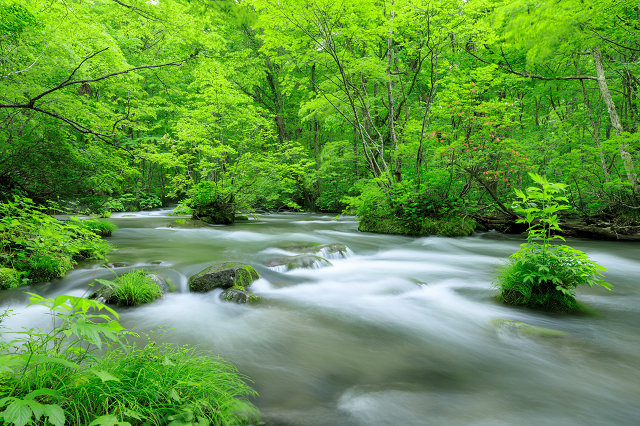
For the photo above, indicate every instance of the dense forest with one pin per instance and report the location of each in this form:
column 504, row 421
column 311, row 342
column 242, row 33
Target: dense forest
column 399, row 111
column 417, row 117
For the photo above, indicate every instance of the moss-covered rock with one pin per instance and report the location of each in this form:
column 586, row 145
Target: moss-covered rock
column 238, row 294
column 241, row 217
column 454, row 226
column 223, row 275
column 9, row 278
column 282, row 264
column 525, row 329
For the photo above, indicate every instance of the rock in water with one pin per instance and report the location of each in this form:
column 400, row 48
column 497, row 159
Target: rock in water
column 223, row 275
column 282, row 264
column 187, row 223
column 241, row 217
column 525, row 329
column 331, row 251
column 238, row 294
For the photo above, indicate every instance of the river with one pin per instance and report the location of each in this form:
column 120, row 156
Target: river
column 398, row 333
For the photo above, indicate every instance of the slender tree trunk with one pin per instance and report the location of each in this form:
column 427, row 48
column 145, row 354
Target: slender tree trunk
column 397, row 172
column 615, row 122
column 595, row 127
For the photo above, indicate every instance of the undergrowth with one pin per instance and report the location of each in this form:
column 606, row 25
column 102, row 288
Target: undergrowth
column 87, row 371
column 41, row 248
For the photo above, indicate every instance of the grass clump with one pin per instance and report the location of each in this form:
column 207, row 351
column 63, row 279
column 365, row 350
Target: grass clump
column 134, row 288
column 542, row 275
column 86, row 371
column 39, row 246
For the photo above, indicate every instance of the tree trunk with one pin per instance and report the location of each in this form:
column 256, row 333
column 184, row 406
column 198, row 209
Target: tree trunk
column 615, row 122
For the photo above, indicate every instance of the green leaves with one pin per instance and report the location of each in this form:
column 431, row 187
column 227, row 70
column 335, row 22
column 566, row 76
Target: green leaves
column 20, row 411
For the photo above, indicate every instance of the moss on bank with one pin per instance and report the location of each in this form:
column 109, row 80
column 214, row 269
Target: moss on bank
column 455, row 226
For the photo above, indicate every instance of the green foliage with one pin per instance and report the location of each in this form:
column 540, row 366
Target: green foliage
column 9, row 278
column 134, row 288
column 103, row 228
column 40, row 246
column 85, row 372
column 543, row 275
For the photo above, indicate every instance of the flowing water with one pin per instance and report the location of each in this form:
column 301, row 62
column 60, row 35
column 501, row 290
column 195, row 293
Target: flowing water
column 397, row 333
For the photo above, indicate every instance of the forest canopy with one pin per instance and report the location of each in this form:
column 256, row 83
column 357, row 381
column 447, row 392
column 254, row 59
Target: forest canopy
column 405, row 111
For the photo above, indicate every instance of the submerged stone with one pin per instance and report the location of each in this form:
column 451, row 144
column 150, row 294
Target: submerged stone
column 525, row 329
column 112, row 265
column 282, row 264
column 223, row 275
column 332, row 251
column 238, row 294
column 187, row 223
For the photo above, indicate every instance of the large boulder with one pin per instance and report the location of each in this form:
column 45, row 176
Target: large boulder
column 223, row 275
column 283, row 264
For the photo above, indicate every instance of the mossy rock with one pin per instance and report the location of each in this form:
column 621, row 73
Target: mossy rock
column 241, row 217
column 9, row 278
column 525, row 329
column 283, row 264
column 188, row 223
column 238, row 294
column 223, row 275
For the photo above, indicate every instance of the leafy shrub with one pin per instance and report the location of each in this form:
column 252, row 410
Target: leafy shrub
column 40, row 246
column 545, row 276
column 86, row 372
column 134, row 288
column 405, row 212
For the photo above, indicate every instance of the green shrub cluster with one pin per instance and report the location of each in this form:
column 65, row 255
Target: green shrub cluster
column 543, row 275
column 404, row 211
column 86, row 372
column 40, row 247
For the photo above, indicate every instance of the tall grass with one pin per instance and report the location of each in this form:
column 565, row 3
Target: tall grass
column 134, row 288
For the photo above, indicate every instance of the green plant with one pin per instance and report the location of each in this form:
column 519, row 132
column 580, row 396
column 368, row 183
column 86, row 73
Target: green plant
column 133, row 288
column 9, row 278
column 84, row 371
column 543, row 275
column 41, row 247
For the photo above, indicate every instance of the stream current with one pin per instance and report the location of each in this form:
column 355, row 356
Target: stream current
column 397, row 333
